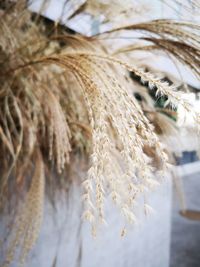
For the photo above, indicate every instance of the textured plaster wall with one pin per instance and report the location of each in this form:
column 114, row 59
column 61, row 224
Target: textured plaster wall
column 66, row 241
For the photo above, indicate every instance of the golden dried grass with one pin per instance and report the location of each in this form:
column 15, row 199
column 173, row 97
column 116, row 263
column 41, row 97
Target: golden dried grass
column 56, row 100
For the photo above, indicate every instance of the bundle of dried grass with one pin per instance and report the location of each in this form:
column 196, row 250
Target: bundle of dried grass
column 60, row 98
column 180, row 39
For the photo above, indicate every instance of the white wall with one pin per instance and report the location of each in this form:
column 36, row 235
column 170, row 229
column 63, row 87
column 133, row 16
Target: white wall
column 145, row 244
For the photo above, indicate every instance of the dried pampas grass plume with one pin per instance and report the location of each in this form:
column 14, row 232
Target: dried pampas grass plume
column 58, row 132
column 27, row 223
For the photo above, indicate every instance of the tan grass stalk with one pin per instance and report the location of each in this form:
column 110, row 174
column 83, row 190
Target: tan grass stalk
column 29, row 218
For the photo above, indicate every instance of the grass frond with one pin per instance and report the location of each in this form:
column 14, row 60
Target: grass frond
column 63, row 96
column 26, row 227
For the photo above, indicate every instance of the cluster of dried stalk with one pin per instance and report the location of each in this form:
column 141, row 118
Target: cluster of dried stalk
column 63, row 95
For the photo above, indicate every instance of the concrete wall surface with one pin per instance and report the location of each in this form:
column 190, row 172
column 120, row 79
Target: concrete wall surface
column 66, row 241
